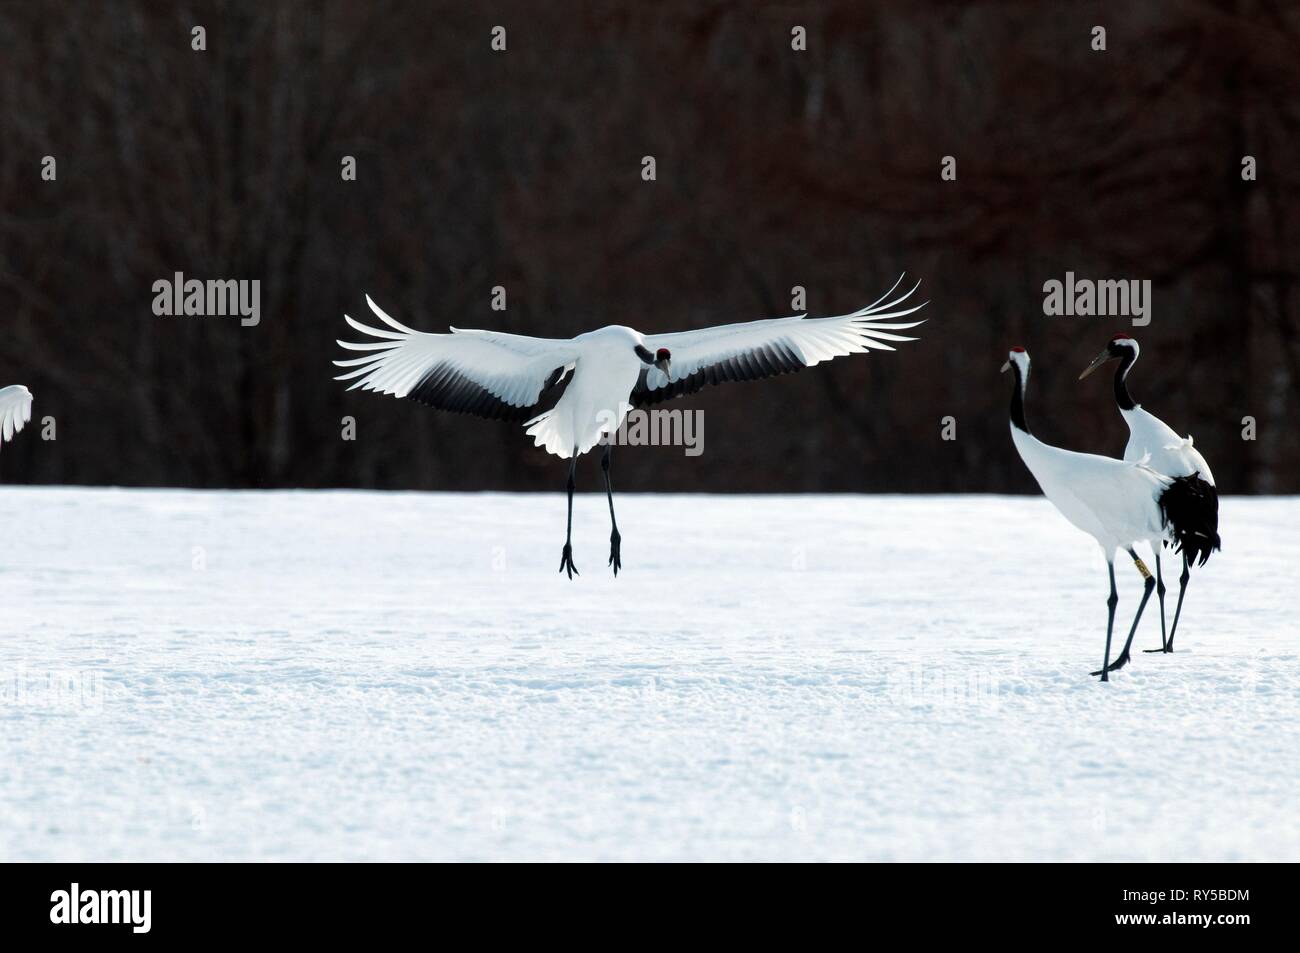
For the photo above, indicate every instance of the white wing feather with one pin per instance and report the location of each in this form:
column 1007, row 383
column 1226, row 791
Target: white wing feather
column 808, row 341
column 15, row 410
column 512, row 368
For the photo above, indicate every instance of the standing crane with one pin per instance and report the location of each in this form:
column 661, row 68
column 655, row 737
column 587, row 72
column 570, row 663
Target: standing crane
column 1193, row 492
column 1117, row 503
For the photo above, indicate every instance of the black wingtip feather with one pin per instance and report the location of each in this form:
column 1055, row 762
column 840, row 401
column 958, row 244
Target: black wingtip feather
column 1191, row 507
column 767, row 361
column 448, row 389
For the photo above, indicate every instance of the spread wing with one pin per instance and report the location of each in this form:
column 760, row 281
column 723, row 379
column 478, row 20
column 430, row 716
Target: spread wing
column 758, row 349
column 15, row 410
column 487, row 373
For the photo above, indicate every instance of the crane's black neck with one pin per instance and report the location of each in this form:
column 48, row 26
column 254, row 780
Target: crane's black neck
column 1122, row 396
column 1018, row 400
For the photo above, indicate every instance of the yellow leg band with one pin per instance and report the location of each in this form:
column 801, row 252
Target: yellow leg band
column 1142, row 568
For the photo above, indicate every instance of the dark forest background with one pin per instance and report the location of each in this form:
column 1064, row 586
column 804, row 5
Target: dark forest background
column 775, row 168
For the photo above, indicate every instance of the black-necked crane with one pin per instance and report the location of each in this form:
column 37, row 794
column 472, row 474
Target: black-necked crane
column 1192, row 497
column 1116, row 502
column 15, row 410
column 591, row 381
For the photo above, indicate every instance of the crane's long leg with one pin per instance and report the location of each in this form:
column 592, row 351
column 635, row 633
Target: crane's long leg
column 566, row 558
column 615, row 540
column 1160, row 594
column 1150, row 583
column 1110, row 620
column 1182, row 588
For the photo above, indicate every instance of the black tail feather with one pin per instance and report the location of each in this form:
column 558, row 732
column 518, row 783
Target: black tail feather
column 1191, row 509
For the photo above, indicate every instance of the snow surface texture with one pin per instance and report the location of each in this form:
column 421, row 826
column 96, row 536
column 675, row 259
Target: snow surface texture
column 198, row 675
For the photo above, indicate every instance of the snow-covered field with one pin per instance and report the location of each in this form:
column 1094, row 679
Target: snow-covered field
column 190, row 675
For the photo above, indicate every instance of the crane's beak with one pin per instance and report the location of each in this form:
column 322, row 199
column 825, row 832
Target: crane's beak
column 665, row 365
column 1005, row 367
column 1097, row 361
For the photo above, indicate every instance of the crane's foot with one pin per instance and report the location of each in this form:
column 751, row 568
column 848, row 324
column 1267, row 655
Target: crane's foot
column 1164, row 649
column 566, row 561
column 615, row 541
column 1114, row 666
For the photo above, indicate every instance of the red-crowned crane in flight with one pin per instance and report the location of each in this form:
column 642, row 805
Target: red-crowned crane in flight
column 600, row 375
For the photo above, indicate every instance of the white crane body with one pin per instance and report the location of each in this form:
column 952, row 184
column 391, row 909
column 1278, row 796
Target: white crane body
column 1167, row 452
column 590, row 407
column 1115, row 502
